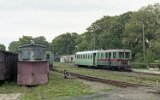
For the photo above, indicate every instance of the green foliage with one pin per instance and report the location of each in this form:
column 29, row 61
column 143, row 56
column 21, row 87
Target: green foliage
column 25, row 40
column 57, row 87
column 149, row 17
column 41, row 40
column 2, row 47
column 65, row 43
column 139, row 66
column 150, row 56
column 13, row 46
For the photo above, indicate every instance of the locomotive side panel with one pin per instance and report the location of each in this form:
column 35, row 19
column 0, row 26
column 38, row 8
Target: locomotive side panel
column 32, row 73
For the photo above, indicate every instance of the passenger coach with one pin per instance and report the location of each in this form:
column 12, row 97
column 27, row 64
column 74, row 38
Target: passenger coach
column 119, row 59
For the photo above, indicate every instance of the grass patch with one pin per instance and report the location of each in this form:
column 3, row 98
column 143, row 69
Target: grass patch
column 57, row 87
column 122, row 76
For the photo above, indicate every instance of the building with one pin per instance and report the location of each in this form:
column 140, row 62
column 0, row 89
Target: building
column 67, row 58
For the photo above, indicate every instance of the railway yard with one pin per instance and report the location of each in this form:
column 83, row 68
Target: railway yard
column 87, row 84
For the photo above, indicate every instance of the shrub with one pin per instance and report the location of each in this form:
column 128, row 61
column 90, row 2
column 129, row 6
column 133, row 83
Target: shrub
column 139, row 66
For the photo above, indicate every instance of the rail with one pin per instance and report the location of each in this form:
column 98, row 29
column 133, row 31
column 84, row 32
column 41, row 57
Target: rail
column 107, row 81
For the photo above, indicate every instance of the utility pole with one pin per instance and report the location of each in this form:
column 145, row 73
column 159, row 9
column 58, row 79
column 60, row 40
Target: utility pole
column 144, row 57
column 94, row 41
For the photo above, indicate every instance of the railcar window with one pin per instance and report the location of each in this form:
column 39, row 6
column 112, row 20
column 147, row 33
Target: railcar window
column 114, row 54
column 91, row 56
column 127, row 54
column 121, row 54
column 109, row 55
column 106, row 55
column 88, row 56
column 101, row 55
column 97, row 55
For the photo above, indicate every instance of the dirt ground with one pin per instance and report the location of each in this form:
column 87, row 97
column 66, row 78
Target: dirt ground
column 12, row 96
column 108, row 92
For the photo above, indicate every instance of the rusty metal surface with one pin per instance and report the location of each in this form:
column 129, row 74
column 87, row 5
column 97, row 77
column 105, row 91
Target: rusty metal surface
column 32, row 73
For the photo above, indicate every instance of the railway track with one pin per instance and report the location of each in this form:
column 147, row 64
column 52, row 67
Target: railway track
column 102, row 80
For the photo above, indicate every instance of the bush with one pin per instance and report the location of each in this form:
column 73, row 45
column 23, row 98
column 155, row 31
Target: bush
column 139, row 66
column 158, row 62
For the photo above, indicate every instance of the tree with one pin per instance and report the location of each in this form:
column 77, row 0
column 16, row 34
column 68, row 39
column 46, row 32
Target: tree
column 65, row 43
column 13, row 46
column 2, row 47
column 42, row 41
column 149, row 17
column 25, row 40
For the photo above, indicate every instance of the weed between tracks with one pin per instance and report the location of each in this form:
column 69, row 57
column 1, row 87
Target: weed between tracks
column 115, row 75
column 56, row 88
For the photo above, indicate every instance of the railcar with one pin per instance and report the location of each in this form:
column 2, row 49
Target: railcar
column 8, row 65
column 33, row 67
column 119, row 59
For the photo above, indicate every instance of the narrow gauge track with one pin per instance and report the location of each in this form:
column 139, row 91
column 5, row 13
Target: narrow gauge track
column 108, row 81
column 133, row 72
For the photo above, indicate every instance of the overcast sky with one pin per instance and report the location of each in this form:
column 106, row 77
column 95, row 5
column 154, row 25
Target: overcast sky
column 51, row 18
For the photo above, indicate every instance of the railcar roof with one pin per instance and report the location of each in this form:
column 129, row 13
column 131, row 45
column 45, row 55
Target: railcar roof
column 27, row 45
column 110, row 50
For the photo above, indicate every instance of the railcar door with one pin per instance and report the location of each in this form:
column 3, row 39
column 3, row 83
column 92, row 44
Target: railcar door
column 109, row 59
column 94, row 59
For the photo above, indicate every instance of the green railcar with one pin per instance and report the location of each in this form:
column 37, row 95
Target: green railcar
column 87, row 58
column 115, row 58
